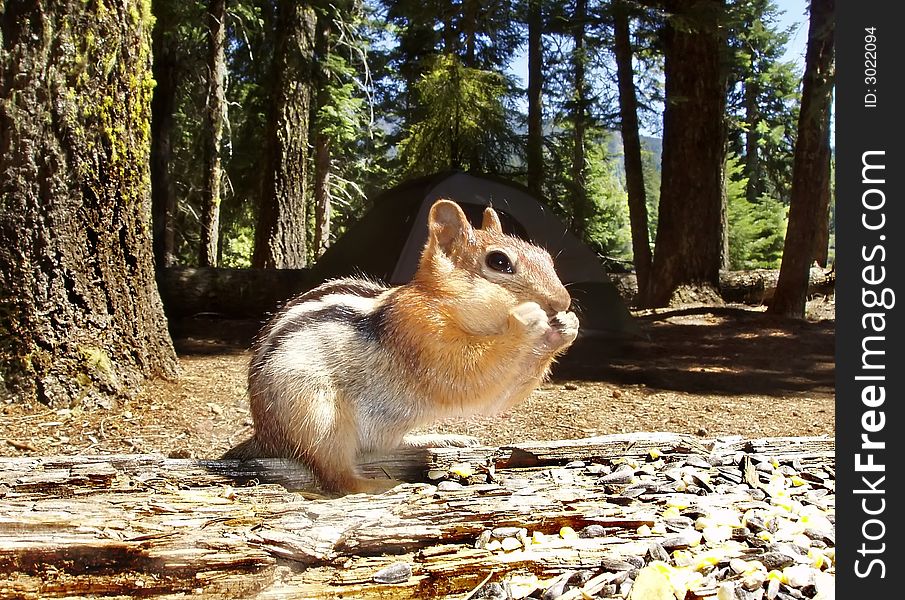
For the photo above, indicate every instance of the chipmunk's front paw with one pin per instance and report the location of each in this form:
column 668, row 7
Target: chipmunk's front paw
column 563, row 331
column 530, row 319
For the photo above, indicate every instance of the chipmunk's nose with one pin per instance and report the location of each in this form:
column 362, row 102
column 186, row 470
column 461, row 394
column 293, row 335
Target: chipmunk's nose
column 560, row 300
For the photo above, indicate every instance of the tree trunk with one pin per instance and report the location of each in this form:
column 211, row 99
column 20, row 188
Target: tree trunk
column 810, row 169
column 753, row 168
column 581, row 211
column 724, row 62
column 631, row 148
column 689, row 238
column 281, row 235
column 323, row 163
column 323, row 160
column 535, row 146
column 470, row 11
column 163, row 194
column 214, row 117
column 725, row 262
column 822, row 233
column 80, row 317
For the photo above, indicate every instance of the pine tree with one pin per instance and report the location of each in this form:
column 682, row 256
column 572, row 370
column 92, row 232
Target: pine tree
column 688, row 246
column 810, row 172
column 214, row 119
column 763, row 97
column 631, row 147
column 535, row 139
column 466, row 122
column 478, row 39
column 281, row 233
column 342, row 113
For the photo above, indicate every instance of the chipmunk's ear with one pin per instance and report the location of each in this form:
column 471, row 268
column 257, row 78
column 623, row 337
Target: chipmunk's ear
column 491, row 221
column 447, row 225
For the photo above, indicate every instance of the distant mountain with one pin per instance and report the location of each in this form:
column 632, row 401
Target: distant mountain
column 652, row 144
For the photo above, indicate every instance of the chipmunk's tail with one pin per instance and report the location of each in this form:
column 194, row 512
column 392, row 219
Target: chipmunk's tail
column 247, row 450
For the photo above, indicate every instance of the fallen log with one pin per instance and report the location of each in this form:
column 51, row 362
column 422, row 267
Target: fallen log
column 753, row 287
column 231, row 293
column 253, row 293
column 120, row 525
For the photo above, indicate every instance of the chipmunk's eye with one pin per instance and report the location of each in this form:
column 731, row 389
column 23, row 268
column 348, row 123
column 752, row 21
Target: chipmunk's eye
column 498, row 261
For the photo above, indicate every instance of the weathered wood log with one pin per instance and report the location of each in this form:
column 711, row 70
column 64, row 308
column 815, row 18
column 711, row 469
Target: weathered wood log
column 743, row 287
column 252, row 293
column 758, row 286
column 77, row 526
column 232, row 293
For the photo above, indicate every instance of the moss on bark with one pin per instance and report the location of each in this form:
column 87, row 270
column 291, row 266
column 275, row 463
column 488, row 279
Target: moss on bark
column 80, row 316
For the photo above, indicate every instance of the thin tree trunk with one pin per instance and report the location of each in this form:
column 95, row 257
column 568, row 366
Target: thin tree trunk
column 470, row 11
column 689, row 238
column 535, row 146
column 80, row 316
column 822, row 234
column 323, row 160
column 323, row 164
column 810, row 168
column 724, row 67
column 581, row 203
column 163, row 195
column 214, row 117
column 281, row 234
column 725, row 262
column 631, row 149
column 753, row 170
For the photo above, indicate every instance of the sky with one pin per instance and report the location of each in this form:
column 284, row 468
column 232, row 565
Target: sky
column 796, row 13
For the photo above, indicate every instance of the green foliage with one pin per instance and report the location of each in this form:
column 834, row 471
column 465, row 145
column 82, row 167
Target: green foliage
column 344, row 112
column 756, row 230
column 609, row 232
column 465, row 123
column 608, row 227
column 410, row 87
column 763, row 96
column 651, row 170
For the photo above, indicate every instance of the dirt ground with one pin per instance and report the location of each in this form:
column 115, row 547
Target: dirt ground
column 702, row 370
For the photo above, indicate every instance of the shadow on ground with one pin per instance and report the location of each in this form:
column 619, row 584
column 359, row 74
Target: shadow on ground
column 716, row 350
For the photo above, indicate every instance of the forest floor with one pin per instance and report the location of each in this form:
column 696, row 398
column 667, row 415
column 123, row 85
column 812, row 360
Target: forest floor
column 702, row 370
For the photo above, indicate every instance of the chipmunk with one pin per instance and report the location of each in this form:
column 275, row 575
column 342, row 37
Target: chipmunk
column 352, row 366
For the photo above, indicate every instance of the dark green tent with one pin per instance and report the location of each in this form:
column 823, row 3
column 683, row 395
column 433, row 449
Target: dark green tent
column 387, row 242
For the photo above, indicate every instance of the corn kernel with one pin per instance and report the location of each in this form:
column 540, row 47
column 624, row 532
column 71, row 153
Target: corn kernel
column 462, row 470
column 567, row 533
column 671, row 512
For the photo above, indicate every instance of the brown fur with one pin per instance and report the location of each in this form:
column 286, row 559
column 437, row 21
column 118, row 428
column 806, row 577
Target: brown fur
column 352, row 367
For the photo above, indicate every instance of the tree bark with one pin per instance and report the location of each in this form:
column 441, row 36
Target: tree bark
column 80, row 316
column 535, row 146
column 689, row 239
column 323, row 164
column 323, row 159
column 822, row 233
column 214, row 118
column 810, row 169
column 469, row 26
column 182, row 527
column 163, row 194
column 581, row 209
column 631, row 148
column 281, row 234
column 753, row 168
